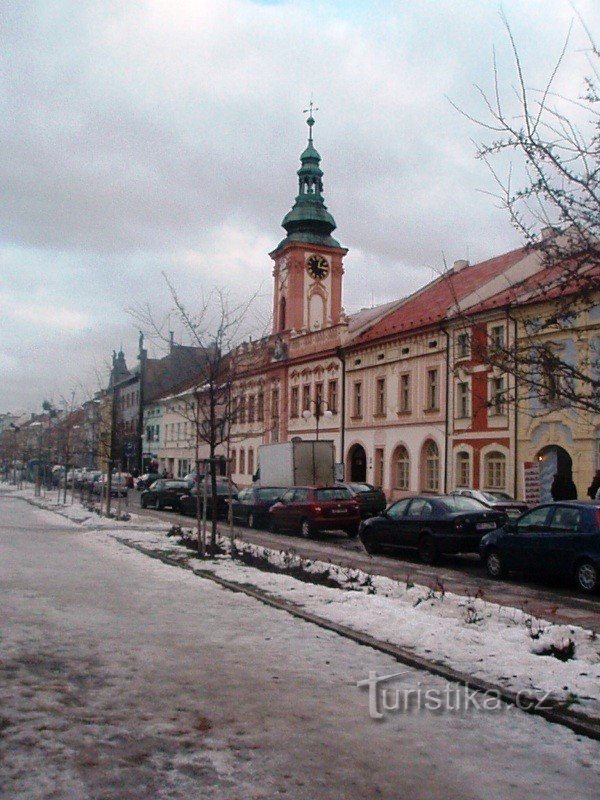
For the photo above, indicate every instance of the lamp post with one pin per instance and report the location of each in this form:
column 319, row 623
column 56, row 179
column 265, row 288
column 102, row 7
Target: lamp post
column 38, row 447
column 321, row 410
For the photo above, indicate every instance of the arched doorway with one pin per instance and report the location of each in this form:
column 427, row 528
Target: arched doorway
column 553, row 460
column 357, row 464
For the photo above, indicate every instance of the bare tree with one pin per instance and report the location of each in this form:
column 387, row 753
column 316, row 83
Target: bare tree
column 209, row 401
column 553, row 144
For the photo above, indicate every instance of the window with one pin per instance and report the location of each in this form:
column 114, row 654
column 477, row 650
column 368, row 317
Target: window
column 357, row 400
column 275, row 404
column 462, row 400
column 242, row 409
column 495, row 470
column 497, row 337
column 463, row 469
column 178, row 431
column 233, row 461
column 565, row 519
column 380, row 396
column 378, row 474
column 401, row 468
column 319, row 395
column 463, row 345
column 251, row 408
column 432, row 467
column 332, row 396
column 250, row 461
column 497, row 396
column 242, row 461
column 398, row 509
column 294, row 401
column 260, row 407
column 420, row 507
column 432, row 390
column 306, row 397
column 532, row 520
column 404, row 399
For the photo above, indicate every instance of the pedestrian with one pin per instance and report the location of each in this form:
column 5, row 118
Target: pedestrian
column 594, row 486
column 557, row 488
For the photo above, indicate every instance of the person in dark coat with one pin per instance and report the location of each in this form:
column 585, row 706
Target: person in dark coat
column 594, row 485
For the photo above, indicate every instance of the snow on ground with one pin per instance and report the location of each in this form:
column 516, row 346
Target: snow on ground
column 125, row 678
column 503, row 645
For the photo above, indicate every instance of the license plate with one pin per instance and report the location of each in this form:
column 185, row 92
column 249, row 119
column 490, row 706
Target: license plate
column 485, row 526
column 339, row 511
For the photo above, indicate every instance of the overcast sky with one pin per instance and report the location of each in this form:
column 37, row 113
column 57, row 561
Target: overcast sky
column 141, row 136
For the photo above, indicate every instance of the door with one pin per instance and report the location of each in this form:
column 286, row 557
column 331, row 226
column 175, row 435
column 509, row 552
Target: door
column 419, row 515
column 283, row 511
column 299, row 508
column 389, row 527
column 521, row 546
column 556, row 547
column 358, row 464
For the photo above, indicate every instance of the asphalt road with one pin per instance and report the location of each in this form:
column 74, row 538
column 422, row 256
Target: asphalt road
column 125, row 679
column 461, row 574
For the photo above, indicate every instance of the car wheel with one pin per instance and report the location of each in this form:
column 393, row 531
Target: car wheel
column 494, row 564
column 143, row 502
column 352, row 533
column 273, row 528
column 587, row 576
column 158, row 505
column 251, row 520
column 428, row 552
column 306, row 529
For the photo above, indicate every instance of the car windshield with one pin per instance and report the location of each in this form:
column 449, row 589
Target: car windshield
column 269, row 494
column 490, row 498
column 335, row 493
column 361, row 488
column 499, row 495
column 176, row 485
column 458, row 503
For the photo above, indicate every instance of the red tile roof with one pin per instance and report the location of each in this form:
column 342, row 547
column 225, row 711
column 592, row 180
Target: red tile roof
column 431, row 304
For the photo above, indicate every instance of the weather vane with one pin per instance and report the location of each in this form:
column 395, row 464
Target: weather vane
column 310, row 109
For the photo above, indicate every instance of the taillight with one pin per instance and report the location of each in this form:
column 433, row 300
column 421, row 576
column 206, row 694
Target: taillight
column 316, row 509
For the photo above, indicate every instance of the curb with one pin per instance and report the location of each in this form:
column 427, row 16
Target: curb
column 527, row 703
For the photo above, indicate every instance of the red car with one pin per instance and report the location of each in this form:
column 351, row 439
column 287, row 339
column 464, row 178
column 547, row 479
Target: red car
column 311, row 509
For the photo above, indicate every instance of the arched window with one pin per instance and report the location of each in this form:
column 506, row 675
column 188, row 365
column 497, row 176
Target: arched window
column 463, row 470
column 494, row 470
column 431, row 466
column 401, row 467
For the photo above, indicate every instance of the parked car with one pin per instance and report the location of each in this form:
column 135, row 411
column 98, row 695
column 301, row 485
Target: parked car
column 312, row 509
column 225, row 489
column 164, row 493
column 554, row 539
column 432, row 525
column 371, row 500
column 499, row 501
column 118, row 485
column 251, row 506
column 146, row 480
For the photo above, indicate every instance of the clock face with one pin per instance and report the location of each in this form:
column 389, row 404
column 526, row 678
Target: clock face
column 317, row 267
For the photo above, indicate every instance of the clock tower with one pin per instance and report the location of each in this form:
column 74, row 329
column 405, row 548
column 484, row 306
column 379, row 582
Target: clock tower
column 307, row 292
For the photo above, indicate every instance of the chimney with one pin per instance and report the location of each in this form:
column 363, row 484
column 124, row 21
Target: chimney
column 460, row 264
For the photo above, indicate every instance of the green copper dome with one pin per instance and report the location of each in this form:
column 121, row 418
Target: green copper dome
column 309, row 220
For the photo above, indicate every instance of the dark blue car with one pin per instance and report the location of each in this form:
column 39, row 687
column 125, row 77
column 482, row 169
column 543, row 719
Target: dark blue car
column 559, row 539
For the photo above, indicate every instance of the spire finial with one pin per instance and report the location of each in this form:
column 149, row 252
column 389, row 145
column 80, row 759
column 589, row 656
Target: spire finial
column 311, row 120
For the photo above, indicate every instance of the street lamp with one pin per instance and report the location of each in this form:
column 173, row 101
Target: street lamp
column 321, row 410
